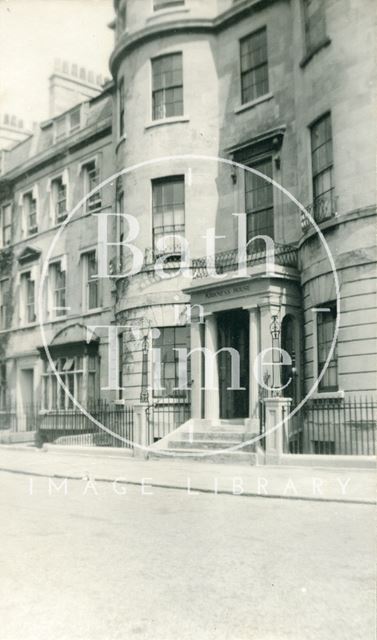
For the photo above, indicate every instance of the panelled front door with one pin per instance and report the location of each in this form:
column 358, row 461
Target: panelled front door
column 233, row 331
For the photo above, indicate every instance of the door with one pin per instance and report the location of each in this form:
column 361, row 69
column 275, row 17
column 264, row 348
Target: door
column 233, row 332
column 27, row 399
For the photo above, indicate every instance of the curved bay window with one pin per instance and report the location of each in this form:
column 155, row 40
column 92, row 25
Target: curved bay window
column 168, row 214
column 170, row 339
column 326, row 322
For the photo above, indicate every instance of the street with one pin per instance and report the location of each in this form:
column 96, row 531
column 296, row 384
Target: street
column 91, row 561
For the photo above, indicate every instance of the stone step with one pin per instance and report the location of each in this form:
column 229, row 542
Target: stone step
column 211, row 435
column 196, row 455
column 201, row 444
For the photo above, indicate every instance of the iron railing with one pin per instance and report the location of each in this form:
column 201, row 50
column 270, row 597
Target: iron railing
column 284, row 255
column 323, row 208
column 164, row 415
column 24, row 418
column 334, row 426
column 73, row 427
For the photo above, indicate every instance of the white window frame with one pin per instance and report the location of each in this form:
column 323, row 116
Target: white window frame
column 85, row 282
column 3, row 303
column 23, row 296
column 83, row 170
column 64, row 177
column 53, row 311
column 2, row 226
column 319, row 393
column 34, row 190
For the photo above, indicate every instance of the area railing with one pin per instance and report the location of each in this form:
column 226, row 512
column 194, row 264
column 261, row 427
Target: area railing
column 335, row 427
column 74, row 427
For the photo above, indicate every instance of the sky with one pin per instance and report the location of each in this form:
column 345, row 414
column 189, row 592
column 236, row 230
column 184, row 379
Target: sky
column 33, row 33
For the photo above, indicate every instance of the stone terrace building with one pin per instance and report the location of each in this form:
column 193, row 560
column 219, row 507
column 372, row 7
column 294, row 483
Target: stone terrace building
column 44, row 177
column 281, row 86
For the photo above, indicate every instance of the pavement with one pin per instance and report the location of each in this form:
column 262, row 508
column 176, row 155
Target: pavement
column 349, row 485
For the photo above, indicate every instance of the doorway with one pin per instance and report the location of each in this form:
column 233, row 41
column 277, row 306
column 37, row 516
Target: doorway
column 26, row 415
column 233, row 332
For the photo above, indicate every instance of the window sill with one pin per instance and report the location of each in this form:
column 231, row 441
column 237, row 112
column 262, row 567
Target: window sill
column 254, row 103
column 327, row 395
column 166, row 12
column 172, row 120
column 91, row 312
column 57, row 319
column 31, row 234
column 29, row 325
column 313, row 51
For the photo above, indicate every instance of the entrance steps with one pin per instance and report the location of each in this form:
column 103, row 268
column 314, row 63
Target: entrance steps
column 218, row 441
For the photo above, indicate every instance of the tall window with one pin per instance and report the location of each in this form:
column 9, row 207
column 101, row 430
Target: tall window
column 315, row 24
column 326, row 320
column 167, row 86
column 166, row 4
column 121, row 107
column 322, row 169
column 92, row 181
column 90, row 281
column 254, row 66
column 4, row 293
column 3, row 386
column 58, row 289
column 83, row 386
column 28, row 295
column 121, row 363
column 120, row 231
column 259, row 204
column 6, row 225
column 168, row 211
column 30, row 212
column 171, row 338
column 59, row 195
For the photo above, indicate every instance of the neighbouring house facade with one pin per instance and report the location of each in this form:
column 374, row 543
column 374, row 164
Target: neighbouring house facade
column 226, row 116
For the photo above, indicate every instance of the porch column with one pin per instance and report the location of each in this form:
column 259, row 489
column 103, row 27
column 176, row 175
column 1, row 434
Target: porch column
column 211, row 377
column 196, row 370
column 254, row 347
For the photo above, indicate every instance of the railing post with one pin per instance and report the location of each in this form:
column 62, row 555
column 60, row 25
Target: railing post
column 276, row 440
column 141, row 435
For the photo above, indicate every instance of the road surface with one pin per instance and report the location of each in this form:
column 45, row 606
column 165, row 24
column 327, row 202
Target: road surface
column 87, row 562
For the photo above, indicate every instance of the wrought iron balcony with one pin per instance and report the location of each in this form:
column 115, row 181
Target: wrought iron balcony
column 284, row 255
column 322, row 209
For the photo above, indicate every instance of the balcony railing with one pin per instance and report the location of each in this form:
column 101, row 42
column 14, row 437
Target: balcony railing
column 322, row 209
column 284, row 255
